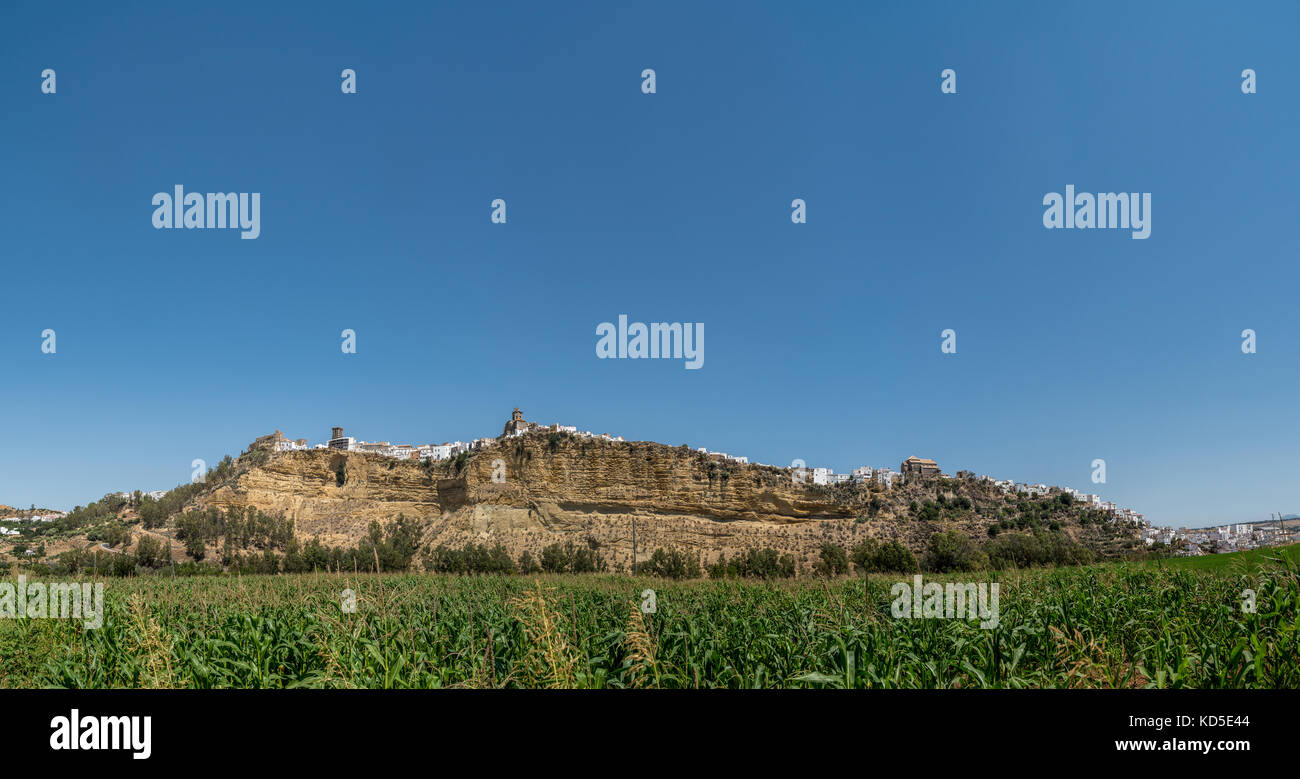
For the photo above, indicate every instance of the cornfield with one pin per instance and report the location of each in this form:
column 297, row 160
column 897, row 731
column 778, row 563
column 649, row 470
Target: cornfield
column 1109, row 626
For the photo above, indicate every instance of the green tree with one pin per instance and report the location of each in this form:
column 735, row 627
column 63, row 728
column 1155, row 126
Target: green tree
column 952, row 551
column 671, row 564
column 528, row 564
column 557, row 557
column 149, row 552
column 196, row 548
column 834, row 560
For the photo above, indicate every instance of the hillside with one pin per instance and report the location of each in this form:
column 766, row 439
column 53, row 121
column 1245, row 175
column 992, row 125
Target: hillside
column 14, row 511
column 555, row 487
column 543, row 489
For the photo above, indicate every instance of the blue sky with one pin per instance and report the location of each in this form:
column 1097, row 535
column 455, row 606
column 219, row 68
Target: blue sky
column 822, row 339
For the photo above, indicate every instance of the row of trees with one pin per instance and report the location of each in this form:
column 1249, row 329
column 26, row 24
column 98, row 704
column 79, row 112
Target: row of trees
column 946, row 552
column 670, row 564
column 384, row 549
column 564, row 557
column 149, row 553
column 252, row 538
column 476, row 559
column 953, row 550
column 755, row 564
column 387, row 549
column 240, row 529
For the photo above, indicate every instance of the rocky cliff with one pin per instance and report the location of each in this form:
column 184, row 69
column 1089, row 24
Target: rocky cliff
column 531, row 491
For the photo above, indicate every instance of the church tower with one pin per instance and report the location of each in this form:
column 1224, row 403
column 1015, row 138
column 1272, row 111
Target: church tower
column 517, row 423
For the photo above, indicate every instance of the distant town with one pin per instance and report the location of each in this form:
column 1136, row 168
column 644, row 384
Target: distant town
column 1187, row 541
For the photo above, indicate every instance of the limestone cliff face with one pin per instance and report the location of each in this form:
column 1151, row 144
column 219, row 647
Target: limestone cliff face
column 604, row 477
column 331, row 494
column 531, row 491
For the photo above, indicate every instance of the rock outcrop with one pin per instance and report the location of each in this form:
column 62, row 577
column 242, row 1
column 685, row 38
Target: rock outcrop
column 532, row 490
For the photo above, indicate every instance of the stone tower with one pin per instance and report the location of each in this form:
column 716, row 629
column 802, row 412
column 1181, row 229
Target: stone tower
column 517, row 423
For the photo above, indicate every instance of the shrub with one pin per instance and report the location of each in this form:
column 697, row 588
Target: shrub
column 834, row 561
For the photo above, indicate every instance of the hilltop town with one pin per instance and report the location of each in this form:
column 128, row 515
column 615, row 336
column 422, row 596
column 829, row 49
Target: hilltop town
column 515, row 427
column 564, row 481
column 1188, row 542
column 911, row 468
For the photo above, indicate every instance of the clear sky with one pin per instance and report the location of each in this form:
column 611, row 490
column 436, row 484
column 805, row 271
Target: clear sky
column 924, row 212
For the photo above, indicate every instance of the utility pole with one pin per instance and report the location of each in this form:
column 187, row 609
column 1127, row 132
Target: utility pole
column 170, row 556
column 634, row 544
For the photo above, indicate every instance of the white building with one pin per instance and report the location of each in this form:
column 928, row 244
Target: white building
column 435, row 451
column 886, row 476
column 346, row 443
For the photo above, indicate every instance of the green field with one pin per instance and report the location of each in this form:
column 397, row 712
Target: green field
column 1171, row 623
column 1247, row 562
